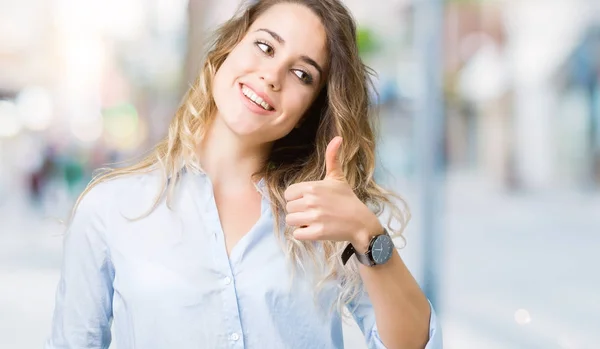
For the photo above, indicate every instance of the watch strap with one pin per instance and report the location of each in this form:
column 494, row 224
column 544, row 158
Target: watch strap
column 347, row 253
column 362, row 257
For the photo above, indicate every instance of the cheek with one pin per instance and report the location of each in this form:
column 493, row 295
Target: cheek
column 240, row 60
column 297, row 103
column 294, row 106
column 236, row 64
column 219, row 88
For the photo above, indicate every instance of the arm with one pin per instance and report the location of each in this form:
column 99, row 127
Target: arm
column 83, row 308
column 362, row 311
column 403, row 317
column 330, row 210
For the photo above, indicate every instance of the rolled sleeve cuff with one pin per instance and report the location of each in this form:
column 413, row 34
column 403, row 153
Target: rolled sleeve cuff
column 435, row 331
column 435, row 334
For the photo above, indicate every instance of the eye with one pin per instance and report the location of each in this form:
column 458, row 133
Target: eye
column 305, row 77
column 264, row 47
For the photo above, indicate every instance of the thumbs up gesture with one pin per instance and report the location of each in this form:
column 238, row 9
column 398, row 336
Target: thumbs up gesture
column 333, row 167
column 328, row 209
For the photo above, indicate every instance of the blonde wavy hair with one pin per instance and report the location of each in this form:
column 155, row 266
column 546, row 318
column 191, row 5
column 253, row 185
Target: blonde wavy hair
column 343, row 108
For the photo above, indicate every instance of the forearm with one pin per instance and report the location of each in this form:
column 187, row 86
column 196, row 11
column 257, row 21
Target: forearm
column 401, row 309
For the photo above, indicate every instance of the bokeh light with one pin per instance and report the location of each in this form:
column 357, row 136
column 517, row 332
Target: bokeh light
column 35, row 108
column 123, row 128
column 10, row 125
column 87, row 129
column 522, row 317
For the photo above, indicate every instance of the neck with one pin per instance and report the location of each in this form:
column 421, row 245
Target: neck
column 228, row 160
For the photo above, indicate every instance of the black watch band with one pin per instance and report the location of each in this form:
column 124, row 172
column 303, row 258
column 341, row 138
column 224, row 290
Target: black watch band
column 363, row 258
column 382, row 244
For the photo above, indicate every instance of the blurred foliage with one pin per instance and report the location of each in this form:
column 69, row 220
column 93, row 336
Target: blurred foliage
column 366, row 40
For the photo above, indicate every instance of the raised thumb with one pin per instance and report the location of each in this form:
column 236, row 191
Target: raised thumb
column 333, row 167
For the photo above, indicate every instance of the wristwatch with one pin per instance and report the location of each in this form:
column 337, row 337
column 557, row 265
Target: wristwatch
column 380, row 250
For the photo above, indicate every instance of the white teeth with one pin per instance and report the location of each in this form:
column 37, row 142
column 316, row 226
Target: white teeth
column 254, row 98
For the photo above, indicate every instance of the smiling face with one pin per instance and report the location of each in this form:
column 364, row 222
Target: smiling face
column 273, row 74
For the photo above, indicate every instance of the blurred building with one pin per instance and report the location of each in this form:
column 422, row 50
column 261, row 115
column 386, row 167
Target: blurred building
column 578, row 81
column 508, row 115
column 99, row 82
column 85, row 83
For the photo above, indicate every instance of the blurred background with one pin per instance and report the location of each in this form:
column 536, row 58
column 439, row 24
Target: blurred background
column 490, row 128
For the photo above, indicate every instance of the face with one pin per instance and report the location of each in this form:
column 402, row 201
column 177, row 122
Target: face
column 273, row 75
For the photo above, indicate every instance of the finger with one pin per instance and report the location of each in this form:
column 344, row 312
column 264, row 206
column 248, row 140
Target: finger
column 298, row 205
column 298, row 190
column 307, row 233
column 293, row 192
column 333, row 167
column 299, row 219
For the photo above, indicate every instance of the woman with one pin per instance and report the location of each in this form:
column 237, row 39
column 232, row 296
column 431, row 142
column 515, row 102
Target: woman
column 236, row 230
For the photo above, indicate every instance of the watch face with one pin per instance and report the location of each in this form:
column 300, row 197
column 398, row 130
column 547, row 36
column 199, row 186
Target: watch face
column 382, row 249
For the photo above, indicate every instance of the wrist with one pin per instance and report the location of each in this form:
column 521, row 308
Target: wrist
column 361, row 242
column 362, row 238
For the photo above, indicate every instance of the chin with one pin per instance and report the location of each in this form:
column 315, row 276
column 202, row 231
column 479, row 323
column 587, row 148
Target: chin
column 243, row 126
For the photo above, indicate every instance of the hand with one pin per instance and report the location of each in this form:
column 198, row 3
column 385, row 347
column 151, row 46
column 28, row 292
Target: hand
column 329, row 209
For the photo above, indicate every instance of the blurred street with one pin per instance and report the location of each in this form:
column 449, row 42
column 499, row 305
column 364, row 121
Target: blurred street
column 519, row 271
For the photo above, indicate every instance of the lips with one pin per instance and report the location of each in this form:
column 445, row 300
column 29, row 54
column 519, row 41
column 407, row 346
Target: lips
column 259, row 99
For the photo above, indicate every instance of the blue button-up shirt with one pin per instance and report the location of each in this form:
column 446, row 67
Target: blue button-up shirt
column 166, row 281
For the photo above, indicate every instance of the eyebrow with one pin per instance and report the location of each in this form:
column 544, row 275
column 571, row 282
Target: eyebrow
column 304, row 58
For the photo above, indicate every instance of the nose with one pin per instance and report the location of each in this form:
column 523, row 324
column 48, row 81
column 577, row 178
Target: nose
column 272, row 78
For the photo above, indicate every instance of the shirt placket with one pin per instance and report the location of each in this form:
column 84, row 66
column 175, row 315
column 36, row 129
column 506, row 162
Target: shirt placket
column 231, row 312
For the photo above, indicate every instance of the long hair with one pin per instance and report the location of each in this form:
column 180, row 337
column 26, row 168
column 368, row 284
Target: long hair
column 342, row 108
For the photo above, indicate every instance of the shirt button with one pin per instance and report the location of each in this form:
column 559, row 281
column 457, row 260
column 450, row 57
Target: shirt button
column 227, row 280
column 234, row 336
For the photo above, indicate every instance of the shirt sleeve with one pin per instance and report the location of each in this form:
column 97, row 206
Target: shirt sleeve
column 364, row 314
column 83, row 304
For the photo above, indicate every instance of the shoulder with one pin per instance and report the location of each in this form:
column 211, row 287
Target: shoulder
column 118, row 194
